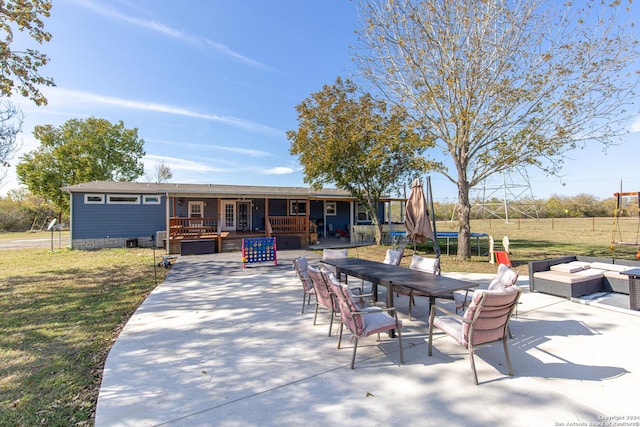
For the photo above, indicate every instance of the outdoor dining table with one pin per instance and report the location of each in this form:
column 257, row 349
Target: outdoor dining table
column 390, row 276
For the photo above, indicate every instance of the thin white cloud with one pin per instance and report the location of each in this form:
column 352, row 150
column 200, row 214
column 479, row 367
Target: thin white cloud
column 635, row 126
column 278, row 170
column 177, row 164
column 243, row 151
column 209, row 147
column 58, row 96
column 171, row 32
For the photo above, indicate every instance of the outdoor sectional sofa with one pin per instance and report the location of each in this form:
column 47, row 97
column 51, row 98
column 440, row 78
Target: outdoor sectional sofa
column 575, row 276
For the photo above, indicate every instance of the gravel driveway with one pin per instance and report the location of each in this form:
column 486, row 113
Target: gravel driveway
column 39, row 240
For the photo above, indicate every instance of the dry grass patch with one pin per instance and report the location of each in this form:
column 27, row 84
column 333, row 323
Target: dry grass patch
column 530, row 240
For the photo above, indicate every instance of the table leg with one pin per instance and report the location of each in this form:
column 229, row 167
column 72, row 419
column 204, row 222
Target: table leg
column 432, row 301
column 392, row 332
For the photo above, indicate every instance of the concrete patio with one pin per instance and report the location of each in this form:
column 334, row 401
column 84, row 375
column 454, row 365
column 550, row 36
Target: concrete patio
column 216, row 344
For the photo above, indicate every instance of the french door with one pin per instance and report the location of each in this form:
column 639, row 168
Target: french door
column 228, row 216
column 243, row 216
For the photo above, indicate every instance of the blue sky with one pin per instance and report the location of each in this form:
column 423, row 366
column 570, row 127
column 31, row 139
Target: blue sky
column 212, row 87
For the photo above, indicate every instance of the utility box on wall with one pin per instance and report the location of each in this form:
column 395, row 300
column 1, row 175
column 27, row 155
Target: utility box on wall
column 161, row 237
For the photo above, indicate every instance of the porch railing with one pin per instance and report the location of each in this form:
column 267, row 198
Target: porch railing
column 182, row 227
column 288, row 225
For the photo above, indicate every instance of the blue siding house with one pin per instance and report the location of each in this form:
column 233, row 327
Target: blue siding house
column 205, row 218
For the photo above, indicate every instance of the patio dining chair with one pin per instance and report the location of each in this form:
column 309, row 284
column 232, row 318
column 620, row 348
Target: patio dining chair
column 428, row 265
column 485, row 321
column 505, row 277
column 300, row 265
column 324, row 298
column 502, row 257
column 328, row 254
column 363, row 322
column 392, row 257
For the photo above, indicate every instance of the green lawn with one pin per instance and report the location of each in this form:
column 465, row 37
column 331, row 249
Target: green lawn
column 60, row 313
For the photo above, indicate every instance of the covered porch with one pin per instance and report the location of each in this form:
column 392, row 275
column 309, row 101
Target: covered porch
column 201, row 221
column 197, row 236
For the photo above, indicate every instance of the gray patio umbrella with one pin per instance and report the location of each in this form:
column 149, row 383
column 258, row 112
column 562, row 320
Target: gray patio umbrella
column 417, row 221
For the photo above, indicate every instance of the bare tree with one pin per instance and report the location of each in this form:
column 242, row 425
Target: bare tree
column 500, row 83
column 11, row 119
column 163, row 172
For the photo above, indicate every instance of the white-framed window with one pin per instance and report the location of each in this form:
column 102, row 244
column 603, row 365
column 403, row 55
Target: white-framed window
column 123, row 199
column 330, row 208
column 363, row 215
column 94, row 199
column 297, row 207
column 151, row 200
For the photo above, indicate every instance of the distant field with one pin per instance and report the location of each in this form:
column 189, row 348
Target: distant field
column 531, row 240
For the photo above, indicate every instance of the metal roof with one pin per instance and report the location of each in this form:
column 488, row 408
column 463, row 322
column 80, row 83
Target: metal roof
column 208, row 190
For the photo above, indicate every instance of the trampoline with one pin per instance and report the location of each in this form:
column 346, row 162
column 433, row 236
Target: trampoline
column 449, row 235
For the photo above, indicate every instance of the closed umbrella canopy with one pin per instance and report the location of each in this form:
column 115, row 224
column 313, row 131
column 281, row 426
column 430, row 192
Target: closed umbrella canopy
column 417, row 215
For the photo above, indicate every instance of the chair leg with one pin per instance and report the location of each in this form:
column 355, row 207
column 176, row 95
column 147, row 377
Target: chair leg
column 304, row 297
column 315, row 316
column 432, row 313
column 331, row 322
column 473, row 364
column 411, row 303
column 340, row 336
column 400, row 341
column 506, row 353
column 355, row 347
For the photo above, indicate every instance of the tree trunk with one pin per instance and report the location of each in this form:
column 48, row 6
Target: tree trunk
column 464, row 217
column 377, row 226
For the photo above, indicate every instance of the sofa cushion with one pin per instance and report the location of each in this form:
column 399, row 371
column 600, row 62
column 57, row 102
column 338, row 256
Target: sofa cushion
column 570, row 267
column 563, row 277
column 609, row 267
column 592, row 273
column 615, row 275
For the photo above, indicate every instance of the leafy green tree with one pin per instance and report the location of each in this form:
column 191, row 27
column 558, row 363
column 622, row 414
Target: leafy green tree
column 357, row 143
column 20, row 211
column 19, row 69
column 498, row 83
column 80, row 151
column 553, row 207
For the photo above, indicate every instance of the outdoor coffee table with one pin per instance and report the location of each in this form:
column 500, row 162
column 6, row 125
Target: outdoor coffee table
column 634, row 287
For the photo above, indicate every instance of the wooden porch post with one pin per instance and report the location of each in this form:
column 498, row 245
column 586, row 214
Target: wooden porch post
column 168, row 222
column 266, row 217
column 219, row 215
column 307, row 230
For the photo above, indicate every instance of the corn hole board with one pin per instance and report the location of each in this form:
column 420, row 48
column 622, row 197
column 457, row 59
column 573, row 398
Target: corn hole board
column 259, row 249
